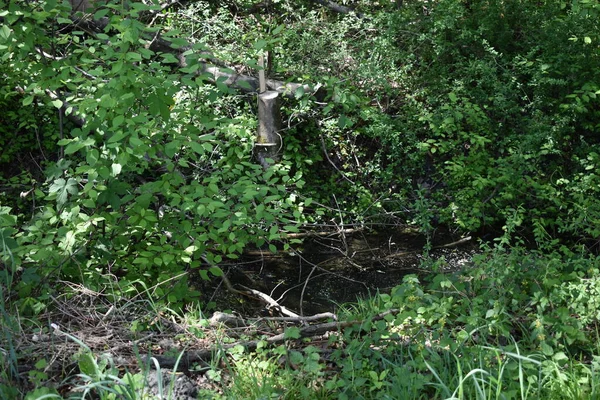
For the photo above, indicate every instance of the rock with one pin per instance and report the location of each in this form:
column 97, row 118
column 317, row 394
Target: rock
column 183, row 387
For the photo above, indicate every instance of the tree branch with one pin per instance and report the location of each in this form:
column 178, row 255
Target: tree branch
column 244, row 83
column 214, row 74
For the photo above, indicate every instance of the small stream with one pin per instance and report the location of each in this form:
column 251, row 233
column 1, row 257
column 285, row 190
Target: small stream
column 341, row 269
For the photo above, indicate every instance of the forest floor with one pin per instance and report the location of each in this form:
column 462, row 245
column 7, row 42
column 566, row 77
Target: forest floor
column 92, row 333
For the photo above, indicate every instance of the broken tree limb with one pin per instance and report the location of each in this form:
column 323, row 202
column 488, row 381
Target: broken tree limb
column 204, row 356
column 211, row 72
column 256, row 294
column 310, row 318
column 186, row 52
column 271, row 303
column 442, row 246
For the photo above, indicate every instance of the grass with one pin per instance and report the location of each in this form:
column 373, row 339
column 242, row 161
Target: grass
column 446, row 340
column 485, row 381
column 366, row 368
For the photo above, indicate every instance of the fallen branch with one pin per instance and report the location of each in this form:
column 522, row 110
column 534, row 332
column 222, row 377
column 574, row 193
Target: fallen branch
column 442, row 246
column 271, row 303
column 204, row 356
column 316, row 317
column 322, row 233
column 265, row 298
column 454, row 244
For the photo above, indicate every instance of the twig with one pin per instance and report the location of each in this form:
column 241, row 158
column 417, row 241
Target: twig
column 304, row 287
column 134, row 343
column 271, row 303
column 257, row 294
column 332, row 163
column 454, row 244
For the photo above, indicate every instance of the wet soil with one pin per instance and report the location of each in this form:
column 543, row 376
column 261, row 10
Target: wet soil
column 329, row 271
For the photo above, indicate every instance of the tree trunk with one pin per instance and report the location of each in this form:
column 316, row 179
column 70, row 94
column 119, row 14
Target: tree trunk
column 268, row 141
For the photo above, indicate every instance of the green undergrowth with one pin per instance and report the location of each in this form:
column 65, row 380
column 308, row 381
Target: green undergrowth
column 513, row 324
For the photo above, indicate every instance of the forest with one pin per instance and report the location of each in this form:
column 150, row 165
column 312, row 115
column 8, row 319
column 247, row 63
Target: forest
column 179, row 179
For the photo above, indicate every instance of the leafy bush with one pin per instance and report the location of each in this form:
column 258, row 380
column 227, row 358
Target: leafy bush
column 146, row 179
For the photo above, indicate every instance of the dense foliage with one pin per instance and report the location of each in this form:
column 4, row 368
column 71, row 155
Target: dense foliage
column 124, row 167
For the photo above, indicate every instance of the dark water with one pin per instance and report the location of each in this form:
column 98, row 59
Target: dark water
column 328, row 271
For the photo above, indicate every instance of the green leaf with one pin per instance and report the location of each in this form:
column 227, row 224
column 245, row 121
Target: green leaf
column 190, row 249
column 99, row 14
column 274, row 232
column 118, row 136
column 131, row 56
column 260, row 44
column 292, row 333
column 27, row 100
column 216, row 271
column 92, row 157
column 172, row 148
column 77, row 145
column 560, row 356
column 57, row 103
column 278, row 29
column 374, row 376
column 344, row 122
column 546, row 349
column 4, row 32
column 135, row 141
column 87, row 364
column 244, row 85
column 62, row 189
column 197, row 147
column 73, row 147
column 118, row 121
